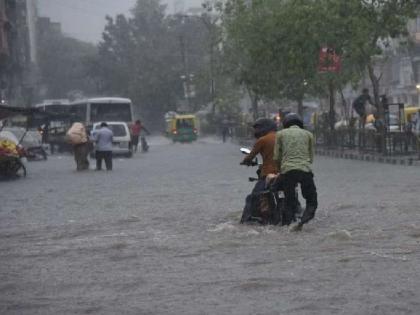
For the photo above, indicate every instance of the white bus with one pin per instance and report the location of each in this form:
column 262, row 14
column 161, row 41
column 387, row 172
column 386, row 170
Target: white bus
column 58, row 106
column 92, row 110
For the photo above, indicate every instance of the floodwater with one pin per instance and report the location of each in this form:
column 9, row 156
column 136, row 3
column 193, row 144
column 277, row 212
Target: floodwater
column 159, row 235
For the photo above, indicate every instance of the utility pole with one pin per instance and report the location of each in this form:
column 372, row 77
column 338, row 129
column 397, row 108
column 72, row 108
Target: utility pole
column 210, row 26
column 186, row 77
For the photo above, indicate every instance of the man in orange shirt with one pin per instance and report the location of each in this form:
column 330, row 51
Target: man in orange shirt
column 265, row 132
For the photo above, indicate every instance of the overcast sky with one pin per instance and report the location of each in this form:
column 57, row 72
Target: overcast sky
column 85, row 19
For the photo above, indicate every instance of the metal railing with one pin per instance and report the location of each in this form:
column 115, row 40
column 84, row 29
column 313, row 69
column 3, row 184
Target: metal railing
column 396, row 143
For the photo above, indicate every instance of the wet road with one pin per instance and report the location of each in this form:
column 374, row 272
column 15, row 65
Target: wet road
column 159, row 235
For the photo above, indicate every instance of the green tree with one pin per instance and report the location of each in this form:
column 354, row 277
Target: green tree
column 134, row 60
column 244, row 49
column 146, row 55
column 274, row 44
column 272, row 48
column 63, row 65
column 371, row 26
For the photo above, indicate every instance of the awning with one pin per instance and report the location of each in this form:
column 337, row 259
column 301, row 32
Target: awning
column 7, row 111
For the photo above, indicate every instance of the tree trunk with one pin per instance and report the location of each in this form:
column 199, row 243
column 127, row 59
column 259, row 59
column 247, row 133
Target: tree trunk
column 331, row 115
column 255, row 106
column 300, row 107
column 381, row 127
column 213, row 102
column 212, row 87
column 345, row 107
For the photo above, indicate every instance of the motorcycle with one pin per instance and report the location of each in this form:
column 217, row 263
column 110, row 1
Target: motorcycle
column 34, row 148
column 144, row 144
column 265, row 206
column 36, row 154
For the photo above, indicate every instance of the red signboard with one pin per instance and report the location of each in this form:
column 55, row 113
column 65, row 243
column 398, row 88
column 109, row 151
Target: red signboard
column 329, row 61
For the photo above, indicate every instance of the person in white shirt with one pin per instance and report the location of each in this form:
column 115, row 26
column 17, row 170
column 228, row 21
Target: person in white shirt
column 103, row 151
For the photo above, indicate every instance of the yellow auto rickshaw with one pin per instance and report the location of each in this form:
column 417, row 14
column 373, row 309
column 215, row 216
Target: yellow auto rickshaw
column 410, row 112
column 182, row 128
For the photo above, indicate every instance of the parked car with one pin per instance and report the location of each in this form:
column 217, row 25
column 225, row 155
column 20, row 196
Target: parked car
column 121, row 144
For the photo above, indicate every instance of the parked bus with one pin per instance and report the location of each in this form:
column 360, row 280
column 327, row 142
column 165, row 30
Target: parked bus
column 92, row 110
column 63, row 113
column 53, row 106
column 55, row 124
column 57, row 114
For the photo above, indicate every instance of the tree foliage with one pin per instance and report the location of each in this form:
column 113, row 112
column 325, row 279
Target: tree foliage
column 62, row 65
column 151, row 57
column 274, row 44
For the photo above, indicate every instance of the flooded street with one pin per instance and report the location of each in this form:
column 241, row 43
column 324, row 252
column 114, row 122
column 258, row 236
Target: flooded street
column 160, row 235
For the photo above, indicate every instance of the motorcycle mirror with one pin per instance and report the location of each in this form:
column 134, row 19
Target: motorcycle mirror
column 245, row 150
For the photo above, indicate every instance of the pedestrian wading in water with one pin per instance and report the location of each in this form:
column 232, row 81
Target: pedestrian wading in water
column 79, row 139
column 103, row 149
column 135, row 131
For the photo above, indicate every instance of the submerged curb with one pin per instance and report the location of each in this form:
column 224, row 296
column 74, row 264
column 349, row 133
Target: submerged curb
column 408, row 161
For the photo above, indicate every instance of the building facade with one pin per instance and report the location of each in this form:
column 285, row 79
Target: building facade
column 17, row 51
column 400, row 69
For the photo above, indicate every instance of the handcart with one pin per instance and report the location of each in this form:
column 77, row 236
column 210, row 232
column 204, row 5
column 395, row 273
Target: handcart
column 11, row 152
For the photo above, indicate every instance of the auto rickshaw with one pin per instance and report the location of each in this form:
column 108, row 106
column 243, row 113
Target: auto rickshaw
column 182, row 128
column 410, row 113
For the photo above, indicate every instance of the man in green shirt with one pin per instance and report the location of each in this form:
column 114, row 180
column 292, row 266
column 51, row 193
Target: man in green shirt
column 294, row 152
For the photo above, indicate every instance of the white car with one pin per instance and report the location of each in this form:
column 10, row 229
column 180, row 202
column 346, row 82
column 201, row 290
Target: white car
column 121, row 144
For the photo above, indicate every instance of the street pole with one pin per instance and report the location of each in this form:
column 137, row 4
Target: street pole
column 185, row 77
column 418, row 94
column 213, row 105
column 210, row 25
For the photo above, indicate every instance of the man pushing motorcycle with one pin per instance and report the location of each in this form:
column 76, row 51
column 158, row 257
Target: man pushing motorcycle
column 294, row 152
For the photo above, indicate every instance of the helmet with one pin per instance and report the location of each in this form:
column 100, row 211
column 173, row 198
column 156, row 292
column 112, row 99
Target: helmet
column 263, row 126
column 292, row 119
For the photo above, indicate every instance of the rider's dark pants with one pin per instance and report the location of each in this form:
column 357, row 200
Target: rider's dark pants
column 259, row 186
column 306, row 181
